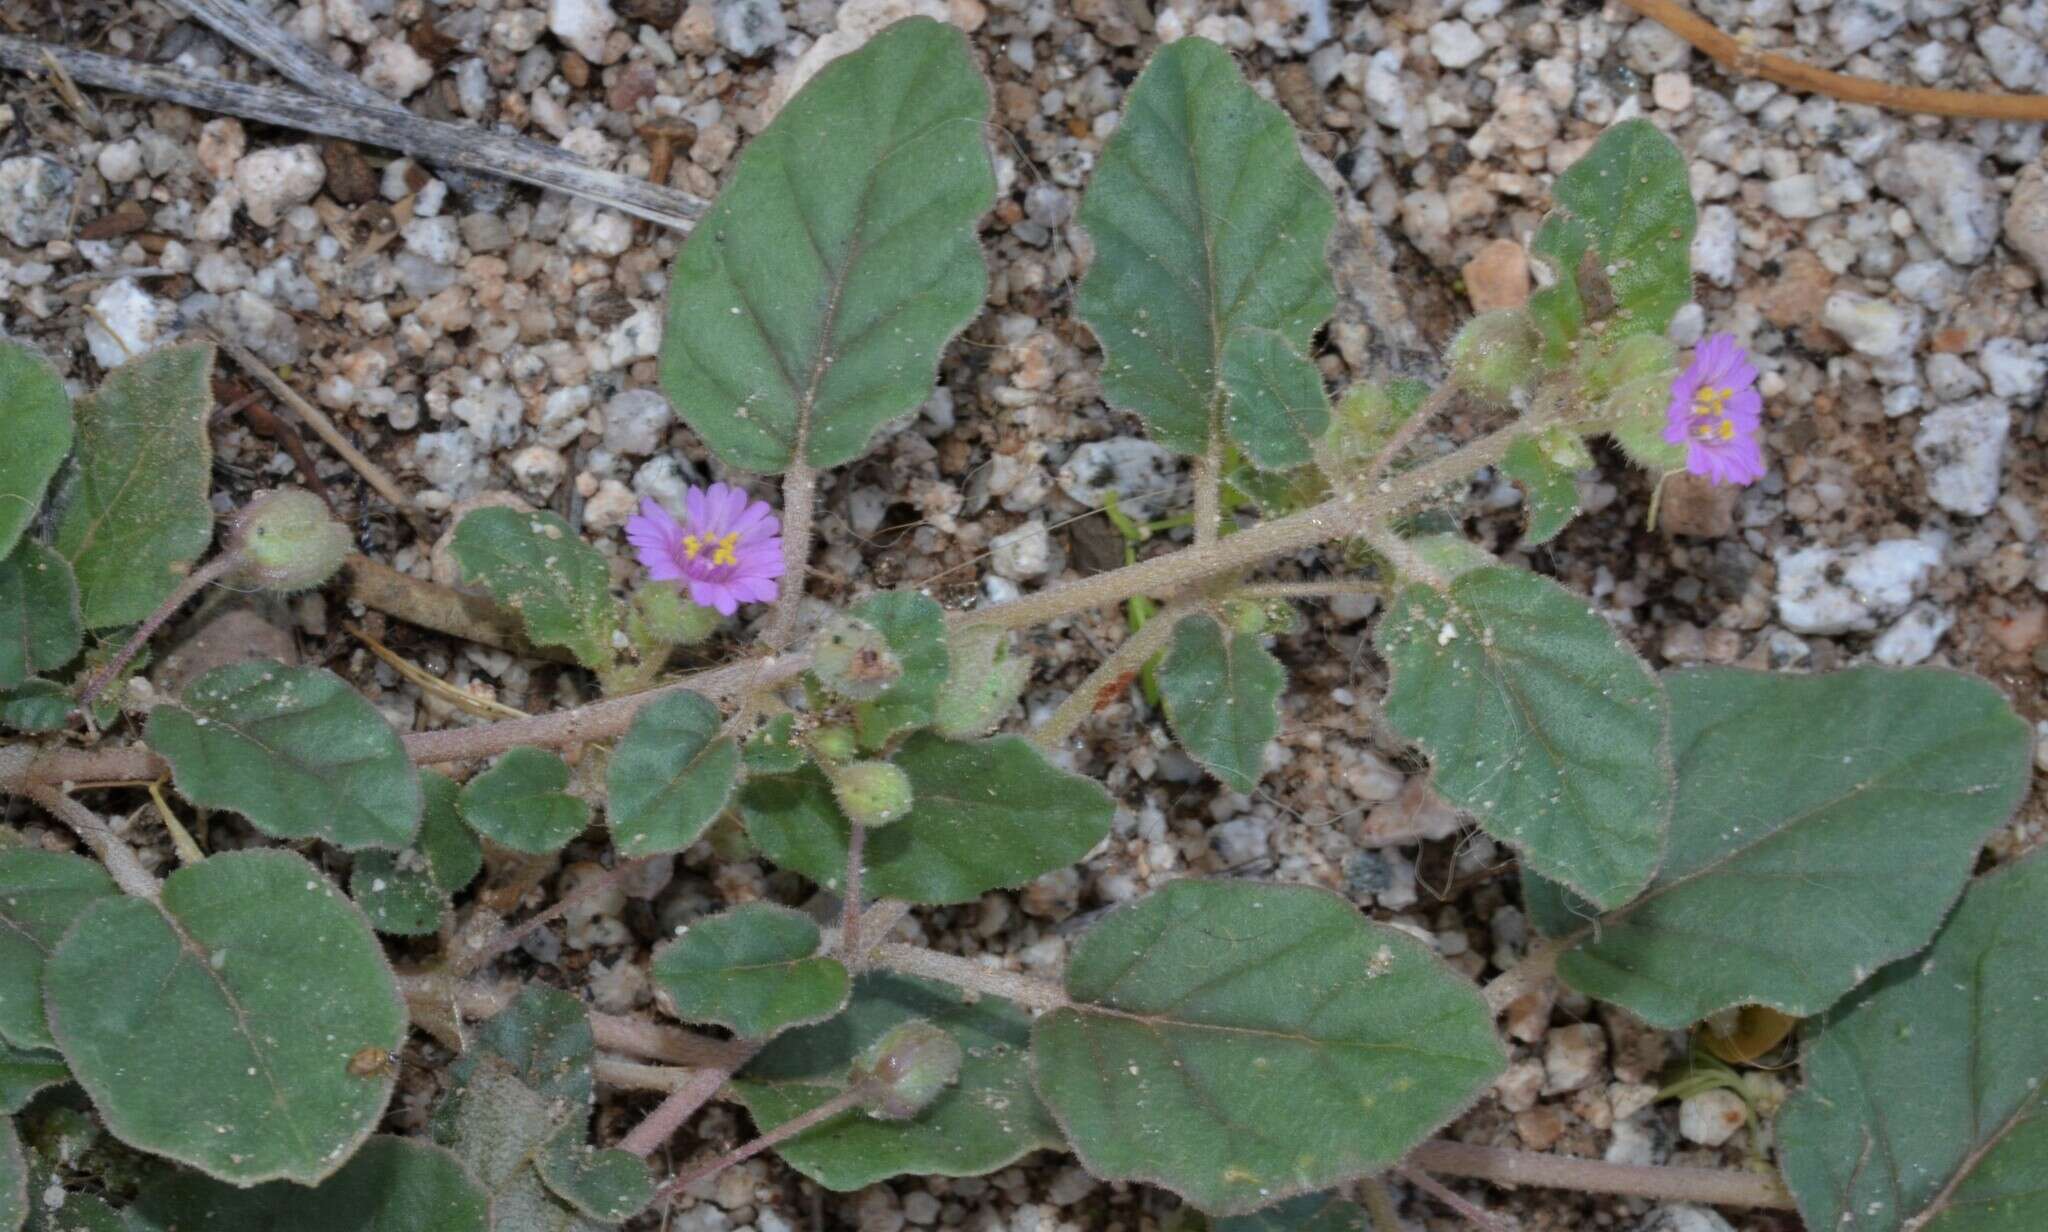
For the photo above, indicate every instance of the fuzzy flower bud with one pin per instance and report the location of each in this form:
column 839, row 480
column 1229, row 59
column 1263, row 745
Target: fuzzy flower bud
column 985, row 682
column 871, row 793
column 833, row 744
column 1495, row 354
column 288, row 541
column 853, row 660
column 902, row 1072
column 661, row 617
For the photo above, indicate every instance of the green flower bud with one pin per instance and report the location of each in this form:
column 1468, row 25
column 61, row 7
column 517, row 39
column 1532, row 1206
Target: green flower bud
column 288, row 541
column 902, row 1072
column 871, row 793
column 834, row 743
column 661, row 617
column 852, row 659
column 985, row 681
column 1496, row 354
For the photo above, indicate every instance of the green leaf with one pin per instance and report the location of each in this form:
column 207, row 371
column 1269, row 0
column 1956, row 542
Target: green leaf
column 988, row 815
column 544, row 1040
column 81, row 1212
column 1923, row 1099
column 1539, row 720
column 1823, row 825
column 35, row 420
column 670, row 777
column 1206, row 223
column 397, row 893
column 535, row 565
column 606, row 1185
column 391, row 1185
column 13, row 1178
column 39, row 628
column 1274, row 404
column 1319, row 1212
column 1240, row 1043
column 24, row 1072
column 810, row 304
column 1222, row 694
column 987, row 1120
column 983, row 682
column 1550, row 486
column 914, row 625
column 1620, row 241
column 520, row 802
column 135, row 515
column 774, row 749
column 754, row 970
column 226, row 1040
column 41, row 893
column 293, row 749
column 36, row 706
column 454, row 857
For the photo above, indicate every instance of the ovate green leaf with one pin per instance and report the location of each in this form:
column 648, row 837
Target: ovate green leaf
column 753, row 970
column 534, row 564
column 39, row 629
column 1823, row 825
column 988, row 815
column 454, row 857
column 36, row 706
column 293, row 749
column 26, row 1071
column 41, row 893
column 605, row 1185
column 521, row 803
column 670, row 777
column 1274, row 404
column 225, row 1041
column 391, row 1185
column 1206, row 223
column 1241, row 1043
column 1222, row 693
column 809, row 306
column 1923, row 1099
column 1539, row 720
column 135, row 515
column 397, row 892
column 35, row 421
column 988, row 1119
column 1550, row 488
column 915, row 627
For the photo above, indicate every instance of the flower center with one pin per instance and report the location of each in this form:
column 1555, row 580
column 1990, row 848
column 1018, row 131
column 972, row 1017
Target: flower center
column 1710, row 414
column 724, row 549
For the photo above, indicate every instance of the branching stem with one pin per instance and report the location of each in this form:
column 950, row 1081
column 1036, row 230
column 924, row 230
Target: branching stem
column 1025, row 990
column 799, row 505
column 197, row 580
column 781, row 1133
column 1109, row 679
column 95, row 833
column 1502, row 1166
column 682, row 1103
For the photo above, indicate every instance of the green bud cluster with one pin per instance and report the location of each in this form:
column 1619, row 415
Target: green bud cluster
column 287, row 541
column 908, row 1067
column 853, row 660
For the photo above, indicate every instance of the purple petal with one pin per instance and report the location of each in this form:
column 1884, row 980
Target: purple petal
column 693, row 504
column 1746, row 410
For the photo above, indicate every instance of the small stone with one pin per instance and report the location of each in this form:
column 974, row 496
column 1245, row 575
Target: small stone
column 1821, row 590
column 450, row 462
column 609, row 508
column 1573, row 1056
column 221, row 145
column 120, row 161
column 1914, row 637
column 2026, row 217
column 1672, row 91
column 1498, row 276
column 1142, row 475
column 1715, row 245
column 1455, row 44
column 1683, row 1219
column 2017, row 369
column 1692, row 506
column 35, row 200
column 394, row 69
column 1710, row 1118
column 747, row 28
column 1795, row 196
column 1962, row 448
column 1950, row 377
column 593, row 921
column 126, row 322
column 1944, row 186
column 1519, row 1086
column 1540, row 1127
column 2016, row 60
column 1022, row 553
column 1859, row 23
column 636, row 423
column 582, row 25
column 273, row 181
column 538, row 470
column 1875, row 327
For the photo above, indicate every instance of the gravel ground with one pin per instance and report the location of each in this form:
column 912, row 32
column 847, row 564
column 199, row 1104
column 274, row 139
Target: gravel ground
column 489, row 343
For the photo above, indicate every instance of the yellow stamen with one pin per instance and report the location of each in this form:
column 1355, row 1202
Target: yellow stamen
column 1711, row 401
column 691, row 546
column 725, row 555
column 1727, row 429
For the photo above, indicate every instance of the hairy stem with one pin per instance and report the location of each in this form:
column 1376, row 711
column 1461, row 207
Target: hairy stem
column 850, row 895
column 484, row 951
column 1025, row 990
column 1712, row 1186
column 1405, row 435
column 1209, row 491
column 1323, row 589
column 197, row 580
column 682, row 1103
column 617, row 1071
column 799, row 504
column 781, row 1133
column 1109, row 679
column 95, row 833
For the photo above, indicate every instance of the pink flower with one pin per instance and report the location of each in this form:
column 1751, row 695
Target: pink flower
column 1715, row 410
column 727, row 552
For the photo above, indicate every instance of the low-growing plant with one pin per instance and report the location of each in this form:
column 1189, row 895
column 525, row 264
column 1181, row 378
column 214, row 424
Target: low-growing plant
column 1691, row 843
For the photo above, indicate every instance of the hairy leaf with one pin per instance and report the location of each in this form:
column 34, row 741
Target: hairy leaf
column 41, row 893
column 454, row 857
column 293, row 749
column 13, row 1178
column 391, row 1185
column 1207, row 223
column 1319, row 1212
column 1823, row 825
column 605, row 1185
column 227, row 1040
column 1923, row 1099
column 1550, row 488
column 753, row 970
column 35, row 420
column 81, row 1212
column 987, row 1120
column 39, row 628
column 534, row 564
column 520, row 802
column 1222, row 693
column 1620, row 242
column 670, row 777
column 135, row 515
column 1240, row 1043
column 1539, row 720
column 774, row 748
column 809, row 306
column 915, row 628
column 36, row 706
column 397, row 893
column 988, row 815
column 24, row 1072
